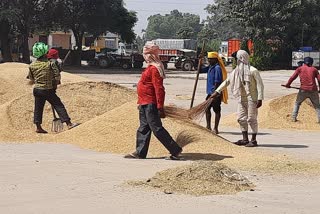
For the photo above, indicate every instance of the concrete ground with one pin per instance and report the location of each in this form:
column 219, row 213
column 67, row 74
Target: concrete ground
column 51, row 178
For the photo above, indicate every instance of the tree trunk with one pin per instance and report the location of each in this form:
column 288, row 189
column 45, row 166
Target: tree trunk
column 77, row 57
column 5, row 41
column 25, row 47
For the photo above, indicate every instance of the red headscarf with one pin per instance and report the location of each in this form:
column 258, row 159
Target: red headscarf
column 53, row 54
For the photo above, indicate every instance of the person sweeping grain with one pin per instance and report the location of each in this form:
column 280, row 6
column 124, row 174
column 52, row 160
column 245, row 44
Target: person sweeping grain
column 151, row 95
column 216, row 74
column 46, row 76
column 247, row 87
column 308, row 87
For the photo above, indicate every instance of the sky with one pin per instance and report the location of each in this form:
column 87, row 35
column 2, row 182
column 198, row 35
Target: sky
column 146, row 8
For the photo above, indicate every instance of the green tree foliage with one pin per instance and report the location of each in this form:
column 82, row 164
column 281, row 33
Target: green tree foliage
column 175, row 25
column 5, row 29
column 219, row 25
column 276, row 27
column 23, row 17
column 95, row 17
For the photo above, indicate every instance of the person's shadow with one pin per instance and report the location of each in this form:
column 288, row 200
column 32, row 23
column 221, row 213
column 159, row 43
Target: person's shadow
column 203, row 156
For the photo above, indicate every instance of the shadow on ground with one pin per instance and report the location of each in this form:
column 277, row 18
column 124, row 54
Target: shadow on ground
column 201, row 156
column 286, row 146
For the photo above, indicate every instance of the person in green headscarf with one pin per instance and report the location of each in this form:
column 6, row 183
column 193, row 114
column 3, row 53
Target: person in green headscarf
column 45, row 76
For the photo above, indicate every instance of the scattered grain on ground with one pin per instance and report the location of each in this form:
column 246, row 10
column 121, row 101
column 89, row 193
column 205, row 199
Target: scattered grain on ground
column 199, row 178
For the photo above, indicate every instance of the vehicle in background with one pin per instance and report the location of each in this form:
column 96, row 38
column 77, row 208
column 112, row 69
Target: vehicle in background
column 181, row 52
column 298, row 56
column 232, row 45
column 121, row 57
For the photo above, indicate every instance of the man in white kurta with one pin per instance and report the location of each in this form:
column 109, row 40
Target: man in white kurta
column 247, row 87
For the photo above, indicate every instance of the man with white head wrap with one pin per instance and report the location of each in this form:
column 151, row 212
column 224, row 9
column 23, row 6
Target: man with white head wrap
column 247, row 87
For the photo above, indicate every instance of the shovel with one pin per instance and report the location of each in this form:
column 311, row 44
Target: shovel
column 57, row 125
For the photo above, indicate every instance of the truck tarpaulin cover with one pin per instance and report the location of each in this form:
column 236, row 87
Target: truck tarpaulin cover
column 176, row 44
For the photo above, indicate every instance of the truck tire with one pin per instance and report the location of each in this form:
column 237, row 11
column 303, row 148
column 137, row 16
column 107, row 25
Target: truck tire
column 138, row 64
column 104, row 63
column 187, row 66
column 126, row 65
column 165, row 65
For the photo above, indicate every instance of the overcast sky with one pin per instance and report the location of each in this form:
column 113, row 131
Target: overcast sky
column 146, row 8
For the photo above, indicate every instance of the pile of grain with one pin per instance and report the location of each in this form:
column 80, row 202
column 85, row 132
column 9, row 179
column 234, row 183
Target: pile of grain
column 115, row 132
column 199, row 178
column 14, row 82
column 276, row 114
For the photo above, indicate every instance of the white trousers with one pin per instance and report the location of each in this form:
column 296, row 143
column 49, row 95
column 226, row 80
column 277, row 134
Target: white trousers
column 247, row 115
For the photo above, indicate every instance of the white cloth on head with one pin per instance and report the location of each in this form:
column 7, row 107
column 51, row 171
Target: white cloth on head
column 240, row 77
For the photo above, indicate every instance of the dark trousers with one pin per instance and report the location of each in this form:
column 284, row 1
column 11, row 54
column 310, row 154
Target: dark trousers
column 41, row 96
column 150, row 122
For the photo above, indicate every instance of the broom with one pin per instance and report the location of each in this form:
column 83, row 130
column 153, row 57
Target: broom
column 197, row 112
column 57, row 125
column 176, row 113
column 185, row 138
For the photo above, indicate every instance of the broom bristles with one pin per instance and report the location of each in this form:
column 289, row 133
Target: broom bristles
column 198, row 111
column 185, row 138
column 176, row 113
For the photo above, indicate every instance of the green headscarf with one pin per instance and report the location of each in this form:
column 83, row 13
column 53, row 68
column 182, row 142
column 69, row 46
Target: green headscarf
column 39, row 49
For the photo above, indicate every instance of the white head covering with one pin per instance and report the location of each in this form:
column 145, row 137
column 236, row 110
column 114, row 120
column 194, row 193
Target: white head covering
column 240, row 77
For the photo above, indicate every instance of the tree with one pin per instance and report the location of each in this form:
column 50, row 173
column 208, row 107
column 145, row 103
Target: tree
column 219, row 25
column 95, row 17
column 175, row 25
column 5, row 29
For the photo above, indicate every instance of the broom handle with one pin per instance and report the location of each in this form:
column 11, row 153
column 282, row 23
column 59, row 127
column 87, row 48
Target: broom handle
column 291, row 87
column 198, row 72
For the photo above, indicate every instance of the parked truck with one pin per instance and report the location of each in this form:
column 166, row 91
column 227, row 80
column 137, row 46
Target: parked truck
column 232, row 45
column 181, row 52
column 121, row 57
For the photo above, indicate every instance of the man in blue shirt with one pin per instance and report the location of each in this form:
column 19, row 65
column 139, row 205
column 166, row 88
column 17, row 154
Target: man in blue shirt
column 214, row 79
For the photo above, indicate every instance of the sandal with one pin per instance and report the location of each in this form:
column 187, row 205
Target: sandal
column 253, row 143
column 73, row 125
column 241, row 142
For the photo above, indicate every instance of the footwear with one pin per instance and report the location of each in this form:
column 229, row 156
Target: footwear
column 72, row 125
column 133, row 155
column 294, row 120
column 175, row 157
column 253, row 143
column 241, row 142
column 41, row 131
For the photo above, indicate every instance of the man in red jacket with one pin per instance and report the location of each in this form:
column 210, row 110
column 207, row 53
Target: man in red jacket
column 151, row 96
column 308, row 87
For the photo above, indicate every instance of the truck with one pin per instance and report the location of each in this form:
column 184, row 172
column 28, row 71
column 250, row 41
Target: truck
column 121, row 57
column 232, row 45
column 181, row 52
column 299, row 55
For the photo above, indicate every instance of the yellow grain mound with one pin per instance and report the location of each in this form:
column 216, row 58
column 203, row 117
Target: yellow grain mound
column 14, row 82
column 115, row 132
column 199, row 178
column 84, row 101
column 276, row 114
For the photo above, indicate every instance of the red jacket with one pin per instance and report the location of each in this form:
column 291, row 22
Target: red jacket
column 150, row 88
column 308, row 76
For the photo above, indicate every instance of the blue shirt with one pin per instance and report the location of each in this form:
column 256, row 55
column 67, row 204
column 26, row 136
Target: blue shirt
column 214, row 75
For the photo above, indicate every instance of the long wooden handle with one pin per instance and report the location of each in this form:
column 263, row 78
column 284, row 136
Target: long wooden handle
column 66, row 57
column 198, row 72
